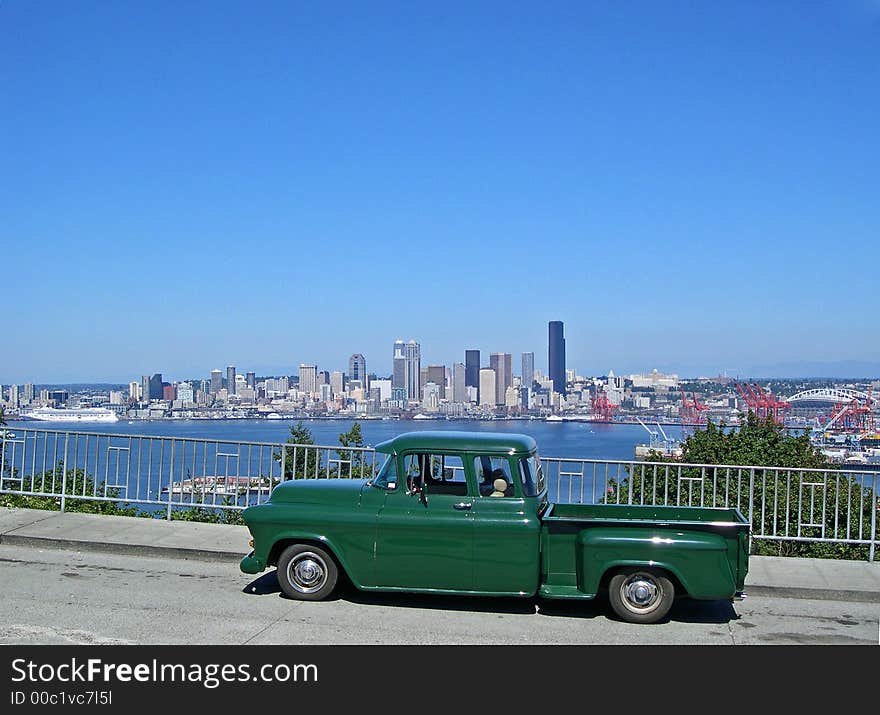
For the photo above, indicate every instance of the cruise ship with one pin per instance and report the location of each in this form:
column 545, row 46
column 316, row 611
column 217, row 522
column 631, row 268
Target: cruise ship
column 84, row 414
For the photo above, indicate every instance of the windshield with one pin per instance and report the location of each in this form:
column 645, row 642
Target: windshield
column 387, row 477
column 532, row 476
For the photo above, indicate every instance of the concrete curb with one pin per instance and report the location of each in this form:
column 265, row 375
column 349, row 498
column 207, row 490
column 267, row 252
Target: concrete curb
column 112, row 548
column 814, row 594
column 175, row 552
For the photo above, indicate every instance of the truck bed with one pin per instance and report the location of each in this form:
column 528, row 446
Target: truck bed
column 704, row 549
column 636, row 514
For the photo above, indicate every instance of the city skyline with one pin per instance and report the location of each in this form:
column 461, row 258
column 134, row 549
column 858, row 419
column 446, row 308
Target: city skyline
column 656, row 177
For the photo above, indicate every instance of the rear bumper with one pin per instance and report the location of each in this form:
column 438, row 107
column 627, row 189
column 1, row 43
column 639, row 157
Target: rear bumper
column 251, row 564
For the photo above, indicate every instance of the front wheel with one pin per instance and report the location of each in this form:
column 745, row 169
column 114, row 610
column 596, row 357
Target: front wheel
column 306, row 572
column 640, row 595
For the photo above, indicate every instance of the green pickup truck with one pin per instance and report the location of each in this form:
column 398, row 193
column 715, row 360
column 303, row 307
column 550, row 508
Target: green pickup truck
column 467, row 513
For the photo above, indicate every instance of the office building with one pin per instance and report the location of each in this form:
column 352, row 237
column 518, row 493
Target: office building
column 412, row 352
column 250, row 380
column 230, row 379
column 145, row 388
column 185, row 392
column 357, row 369
column 472, row 369
column 398, row 375
column 28, row 393
column 502, row 364
column 308, row 379
column 528, row 369
column 459, row 386
column 134, row 391
column 487, row 387
column 13, row 397
column 156, row 389
column 556, row 356
column 216, row 382
column 337, row 383
column 437, row 375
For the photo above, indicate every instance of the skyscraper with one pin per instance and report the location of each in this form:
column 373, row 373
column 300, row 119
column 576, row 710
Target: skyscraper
column 398, row 375
column 472, row 369
column 556, row 356
column 502, row 364
column 413, row 353
column 145, row 388
column 459, row 388
column 437, row 375
column 308, row 378
column 230, row 379
column 156, row 389
column 528, row 369
column 250, row 379
column 357, row 369
column 216, row 382
column 487, row 387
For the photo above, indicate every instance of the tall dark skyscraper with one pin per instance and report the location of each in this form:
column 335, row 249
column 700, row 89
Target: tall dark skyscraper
column 230, row 379
column 472, row 370
column 156, row 388
column 556, row 356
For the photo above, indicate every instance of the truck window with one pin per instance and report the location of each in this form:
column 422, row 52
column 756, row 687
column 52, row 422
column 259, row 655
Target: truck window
column 387, row 477
column 531, row 476
column 490, row 470
column 439, row 473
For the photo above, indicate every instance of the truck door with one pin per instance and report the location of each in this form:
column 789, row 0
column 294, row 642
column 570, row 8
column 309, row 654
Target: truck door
column 424, row 535
column 506, row 529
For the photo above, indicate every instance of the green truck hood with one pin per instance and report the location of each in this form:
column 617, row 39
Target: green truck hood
column 318, row 491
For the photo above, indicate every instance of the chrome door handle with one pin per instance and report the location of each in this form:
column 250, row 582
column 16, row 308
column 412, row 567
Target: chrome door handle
column 462, row 505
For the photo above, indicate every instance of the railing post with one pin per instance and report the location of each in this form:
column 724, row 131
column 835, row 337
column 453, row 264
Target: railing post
column 874, row 499
column 751, row 505
column 170, row 482
column 64, row 475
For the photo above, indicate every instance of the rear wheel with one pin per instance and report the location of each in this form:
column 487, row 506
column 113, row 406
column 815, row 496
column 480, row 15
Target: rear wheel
column 640, row 595
column 306, row 572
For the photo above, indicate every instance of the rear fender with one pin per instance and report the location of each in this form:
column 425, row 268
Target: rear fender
column 697, row 559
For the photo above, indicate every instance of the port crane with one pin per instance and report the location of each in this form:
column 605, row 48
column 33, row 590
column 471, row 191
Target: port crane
column 854, row 415
column 763, row 404
column 692, row 411
column 603, row 408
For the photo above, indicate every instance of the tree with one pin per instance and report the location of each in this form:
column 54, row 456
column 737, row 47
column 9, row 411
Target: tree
column 353, row 463
column 301, row 460
column 787, row 501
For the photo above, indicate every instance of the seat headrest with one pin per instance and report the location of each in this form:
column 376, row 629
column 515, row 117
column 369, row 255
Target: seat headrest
column 500, row 488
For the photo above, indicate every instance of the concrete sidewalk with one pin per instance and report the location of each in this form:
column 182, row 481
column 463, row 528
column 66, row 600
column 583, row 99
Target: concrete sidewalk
column 821, row 579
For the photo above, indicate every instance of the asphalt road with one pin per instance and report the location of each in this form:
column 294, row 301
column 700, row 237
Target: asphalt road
column 56, row 597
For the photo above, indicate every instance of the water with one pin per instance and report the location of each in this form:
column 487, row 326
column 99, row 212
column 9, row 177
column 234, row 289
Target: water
column 555, row 439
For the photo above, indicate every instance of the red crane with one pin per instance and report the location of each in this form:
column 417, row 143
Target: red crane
column 692, row 411
column 603, row 408
column 773, row 406
column 753, row 402
column 853, row 415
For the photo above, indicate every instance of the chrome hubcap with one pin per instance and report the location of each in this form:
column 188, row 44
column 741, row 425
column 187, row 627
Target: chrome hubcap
column 307, row 572
column 640, row 593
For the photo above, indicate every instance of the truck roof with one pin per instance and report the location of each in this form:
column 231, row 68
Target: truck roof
column 445, row 440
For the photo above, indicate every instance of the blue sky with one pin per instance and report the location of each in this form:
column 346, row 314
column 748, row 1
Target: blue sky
column 185, row 185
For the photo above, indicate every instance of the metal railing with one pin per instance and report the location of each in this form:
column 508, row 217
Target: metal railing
column 164, row 474
column 831, row 506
